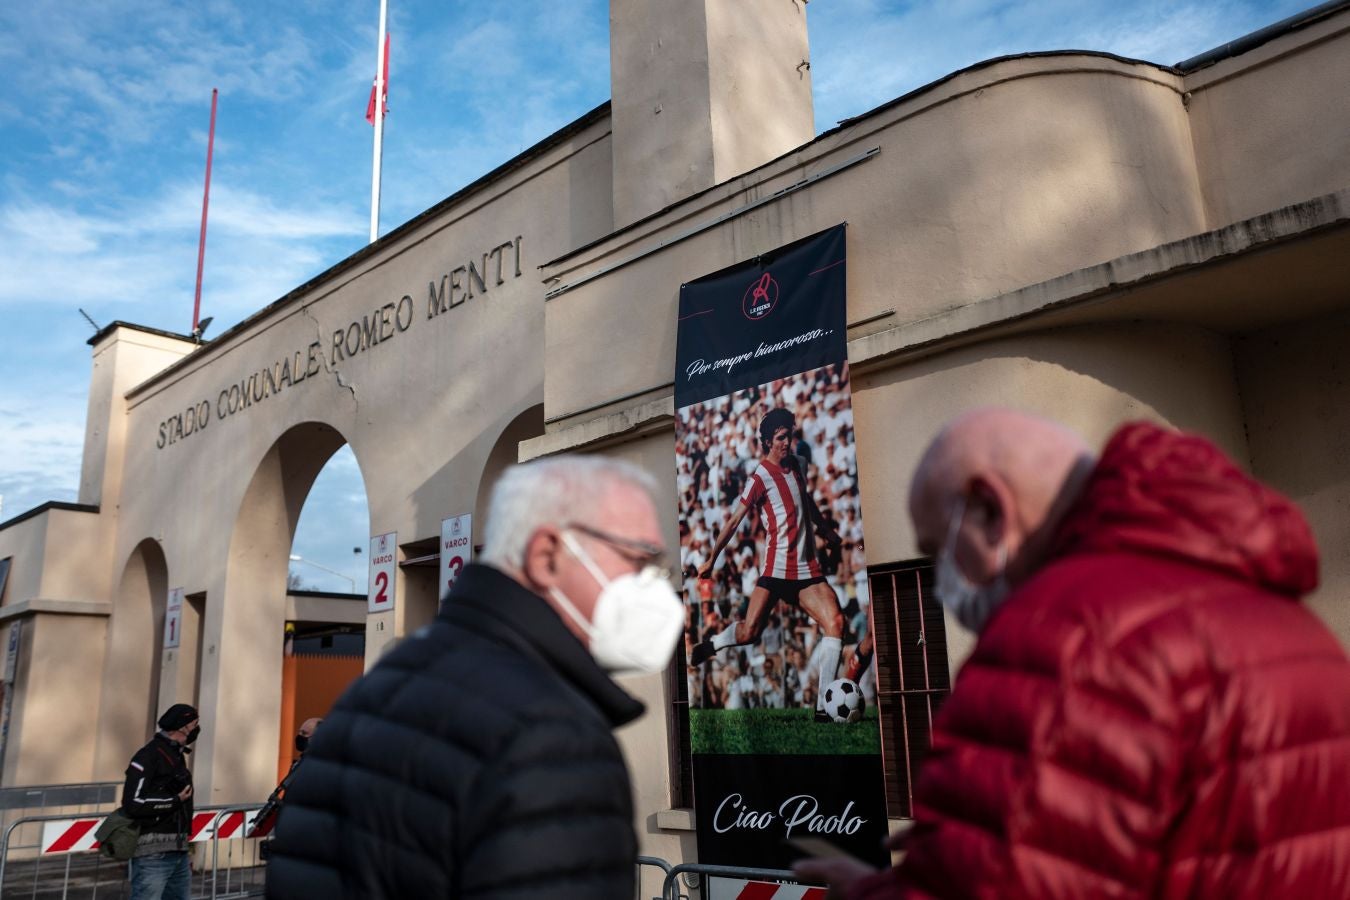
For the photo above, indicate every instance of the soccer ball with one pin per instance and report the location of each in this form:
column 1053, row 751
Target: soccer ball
column 844, row 701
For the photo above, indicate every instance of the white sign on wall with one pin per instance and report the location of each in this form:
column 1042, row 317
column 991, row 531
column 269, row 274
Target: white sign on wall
column 456, row 549
column 383, row 564
column 173, row 619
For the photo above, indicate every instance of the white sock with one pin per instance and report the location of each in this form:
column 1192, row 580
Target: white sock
column 725, row 638
column 831, row 649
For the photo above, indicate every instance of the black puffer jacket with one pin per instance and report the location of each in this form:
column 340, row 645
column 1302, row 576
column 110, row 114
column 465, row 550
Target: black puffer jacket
column 475, row 760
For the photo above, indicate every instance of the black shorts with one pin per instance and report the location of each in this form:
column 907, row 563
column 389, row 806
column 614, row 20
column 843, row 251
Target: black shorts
column 787, row 589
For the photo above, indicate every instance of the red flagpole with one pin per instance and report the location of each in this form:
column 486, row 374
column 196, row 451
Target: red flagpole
column 206, row 198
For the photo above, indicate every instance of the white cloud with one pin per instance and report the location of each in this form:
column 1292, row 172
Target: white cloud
column 42, row 433
column 104, row 124
column 867, row 52
column 257, row 249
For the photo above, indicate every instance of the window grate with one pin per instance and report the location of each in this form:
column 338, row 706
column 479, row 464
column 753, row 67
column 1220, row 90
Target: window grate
column 680, row 753
column 912, row 672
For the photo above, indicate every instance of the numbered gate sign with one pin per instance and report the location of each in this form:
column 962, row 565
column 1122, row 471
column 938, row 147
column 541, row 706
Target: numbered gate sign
column 383, row 561
column 173, row 619
column 456, row 548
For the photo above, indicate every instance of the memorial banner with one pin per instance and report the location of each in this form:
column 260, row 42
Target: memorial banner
column 782, row 690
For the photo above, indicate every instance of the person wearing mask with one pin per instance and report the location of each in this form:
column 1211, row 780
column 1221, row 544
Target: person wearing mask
column 157, row 795
column 477, row 758
column 1149, row 710
column 303, row 735
column 264, row 821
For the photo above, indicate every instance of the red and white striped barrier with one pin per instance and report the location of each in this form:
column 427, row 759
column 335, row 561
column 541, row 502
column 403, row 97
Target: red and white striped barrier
column 77, row 835
column 229, row 825
column 735, row 889
column 69, row 835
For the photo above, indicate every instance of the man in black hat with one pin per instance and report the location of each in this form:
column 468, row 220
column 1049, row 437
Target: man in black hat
column 158, row 795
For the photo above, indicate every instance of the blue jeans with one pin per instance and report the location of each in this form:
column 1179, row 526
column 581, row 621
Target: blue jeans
column 161, row 876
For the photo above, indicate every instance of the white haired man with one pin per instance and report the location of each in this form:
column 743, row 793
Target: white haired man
column 477, row 758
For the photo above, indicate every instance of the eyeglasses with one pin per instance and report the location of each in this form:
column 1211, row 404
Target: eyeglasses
column 640, row 553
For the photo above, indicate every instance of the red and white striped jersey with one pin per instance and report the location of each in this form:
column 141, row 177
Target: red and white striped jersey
column 777, row 493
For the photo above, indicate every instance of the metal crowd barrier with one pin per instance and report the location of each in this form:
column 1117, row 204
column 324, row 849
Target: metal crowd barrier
column 243, row 858
column 93, row 794
column 39, row 868
column 231, row 867
column 670, row 889
column 654, row 862
column 671, row 875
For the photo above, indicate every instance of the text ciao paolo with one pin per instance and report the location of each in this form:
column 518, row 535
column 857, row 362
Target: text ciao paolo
column 799, row 811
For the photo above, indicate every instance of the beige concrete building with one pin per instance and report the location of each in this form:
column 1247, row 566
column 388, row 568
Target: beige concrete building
column 1075, row 234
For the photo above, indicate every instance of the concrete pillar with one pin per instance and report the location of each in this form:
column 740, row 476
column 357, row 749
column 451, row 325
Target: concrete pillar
column 703, row 91
column 124, row 356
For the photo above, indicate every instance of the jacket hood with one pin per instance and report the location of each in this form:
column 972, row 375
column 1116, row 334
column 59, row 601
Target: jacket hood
column 1162, row 493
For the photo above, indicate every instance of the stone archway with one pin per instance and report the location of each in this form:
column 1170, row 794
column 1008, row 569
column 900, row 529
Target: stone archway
column 131, row 670
column 505, row 452
column 241, row 664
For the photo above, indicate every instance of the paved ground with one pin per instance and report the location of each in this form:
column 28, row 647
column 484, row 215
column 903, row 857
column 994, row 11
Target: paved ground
column 91, row 877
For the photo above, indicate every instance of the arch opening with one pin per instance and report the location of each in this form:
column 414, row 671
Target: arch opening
column 243, row 665
column 133, row 667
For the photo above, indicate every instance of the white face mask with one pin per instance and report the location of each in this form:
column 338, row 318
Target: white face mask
column 637, row 618
column 972, row 604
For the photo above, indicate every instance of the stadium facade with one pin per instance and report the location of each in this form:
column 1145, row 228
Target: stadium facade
column 1075, row 234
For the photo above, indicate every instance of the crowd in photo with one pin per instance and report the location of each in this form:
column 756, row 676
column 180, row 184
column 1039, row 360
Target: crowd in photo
column 717, row 449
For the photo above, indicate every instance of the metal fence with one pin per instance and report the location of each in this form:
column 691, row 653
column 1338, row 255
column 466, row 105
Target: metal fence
column 228, row 866
column 75, row 798
column 225, row 865
column 693, row 881
column 653, row 862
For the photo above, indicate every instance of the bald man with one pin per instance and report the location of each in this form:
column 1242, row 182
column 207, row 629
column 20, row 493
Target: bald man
column 1149, row 711
column 305, row 733
column 265, row 819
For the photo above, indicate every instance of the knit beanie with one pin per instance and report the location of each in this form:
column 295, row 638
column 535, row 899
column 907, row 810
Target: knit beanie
column 177, row 716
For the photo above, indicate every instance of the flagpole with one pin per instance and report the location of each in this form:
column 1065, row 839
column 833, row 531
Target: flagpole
column 379, row 127
column 206, row 198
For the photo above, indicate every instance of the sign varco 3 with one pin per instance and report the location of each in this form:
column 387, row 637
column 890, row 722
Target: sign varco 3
column 456, row 549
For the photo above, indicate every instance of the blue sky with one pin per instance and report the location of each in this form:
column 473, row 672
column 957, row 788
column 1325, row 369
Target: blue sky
column 104, row 122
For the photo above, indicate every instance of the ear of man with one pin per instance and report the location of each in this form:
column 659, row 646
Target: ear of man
column 988, row 511
column 540, row 563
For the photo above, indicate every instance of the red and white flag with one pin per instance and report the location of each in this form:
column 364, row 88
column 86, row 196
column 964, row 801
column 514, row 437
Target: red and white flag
column 384, row 101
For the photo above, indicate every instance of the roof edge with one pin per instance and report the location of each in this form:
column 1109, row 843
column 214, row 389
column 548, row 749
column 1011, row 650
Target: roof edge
column 119, row 323
column 854, row 120
column 46, row 507
column 1261, row 36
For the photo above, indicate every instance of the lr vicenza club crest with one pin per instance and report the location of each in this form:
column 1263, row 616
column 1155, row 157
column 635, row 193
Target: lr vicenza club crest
column 760, row 297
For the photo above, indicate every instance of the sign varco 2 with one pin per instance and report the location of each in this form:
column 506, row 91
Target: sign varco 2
column 383, row 553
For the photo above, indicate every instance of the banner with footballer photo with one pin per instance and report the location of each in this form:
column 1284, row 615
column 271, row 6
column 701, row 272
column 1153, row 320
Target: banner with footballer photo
column 782, row 687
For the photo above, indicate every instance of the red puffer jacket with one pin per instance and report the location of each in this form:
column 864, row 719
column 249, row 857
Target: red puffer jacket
column 1153, row 714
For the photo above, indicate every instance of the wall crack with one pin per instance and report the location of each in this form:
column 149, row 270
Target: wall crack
column 327, row 366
